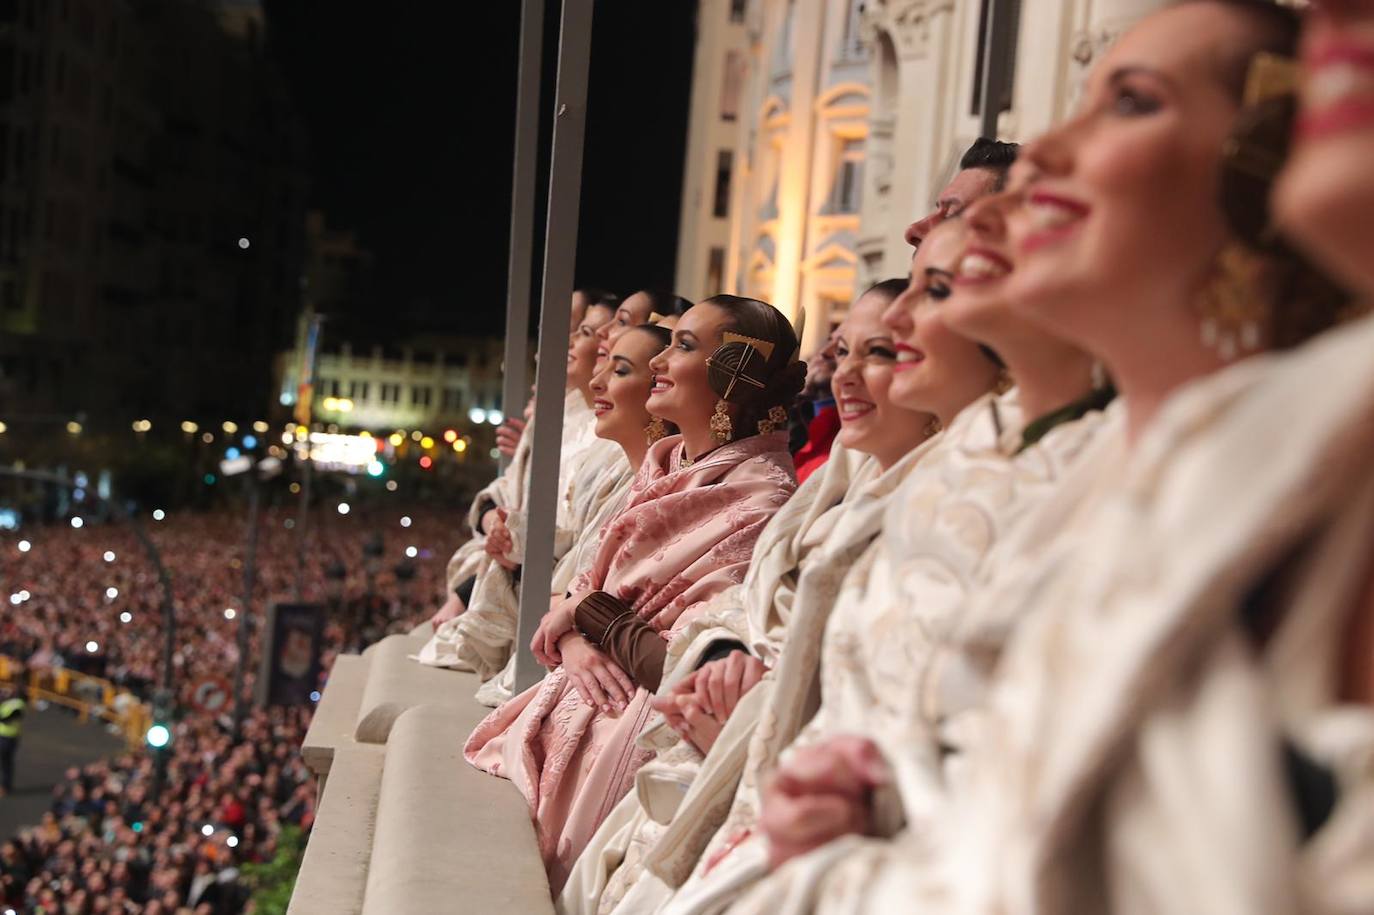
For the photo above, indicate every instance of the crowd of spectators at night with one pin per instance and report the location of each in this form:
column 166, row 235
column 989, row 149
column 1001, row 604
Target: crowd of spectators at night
column 89, row 599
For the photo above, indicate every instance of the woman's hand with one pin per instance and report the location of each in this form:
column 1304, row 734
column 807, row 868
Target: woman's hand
column 499, row 543
column 685, row 715
column 819, row 794
column 555, row 624
column 508, row 435
column 721, row 684
column 598, row 680
column 452, row 608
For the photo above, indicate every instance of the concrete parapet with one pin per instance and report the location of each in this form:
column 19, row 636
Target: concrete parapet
column 396, row 683
column 449, row 838
column 336, row 715
column 333, row 874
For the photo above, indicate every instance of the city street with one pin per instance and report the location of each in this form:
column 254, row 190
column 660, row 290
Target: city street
column 53, row 741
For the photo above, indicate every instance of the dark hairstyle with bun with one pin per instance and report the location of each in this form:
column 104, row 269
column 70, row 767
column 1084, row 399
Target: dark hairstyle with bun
column 662, row 335
column 781, row 374
column 888, row 289
column 666, row 304
column 598, row 296
column 996, row 156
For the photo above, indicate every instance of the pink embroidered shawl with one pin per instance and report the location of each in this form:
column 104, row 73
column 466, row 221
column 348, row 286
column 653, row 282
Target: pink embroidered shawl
column 685, row 534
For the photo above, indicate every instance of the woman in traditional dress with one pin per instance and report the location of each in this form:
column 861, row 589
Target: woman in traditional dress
column 507, row 491
column 687, row 532
column 480, row 639
column 1163, row 736
column 797, row 564
column 600, row 483
column 966, row 494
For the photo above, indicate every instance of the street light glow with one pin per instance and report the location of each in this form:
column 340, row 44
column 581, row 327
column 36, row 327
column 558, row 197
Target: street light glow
column 427, row 443
column 189, row 427
column 391, row 486
column 207, row 830
column 111, row 593
column 25, row 546
column 495, row 417
column 477, row 415
column 229, row 427
column 411, row 552
column 260, row 427
column 92, row 646
column 126, row 617
column 109, row 556
column 74, row 427
column 230, row 613
column 232, row 841
column 396, row 439
column 344, row 508
column 158, row 736
column 375, row 468
column 405, row 521
column 158, row 514
column 77, row 522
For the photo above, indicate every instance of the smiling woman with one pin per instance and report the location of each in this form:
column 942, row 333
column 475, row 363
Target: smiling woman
column 686, row 533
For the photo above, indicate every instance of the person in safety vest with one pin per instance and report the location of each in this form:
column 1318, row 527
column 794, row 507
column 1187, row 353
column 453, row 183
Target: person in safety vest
column 11, row 723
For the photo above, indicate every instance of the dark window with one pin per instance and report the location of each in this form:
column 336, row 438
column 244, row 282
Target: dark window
column 420, row 396
column 999, row 47
column 737, row 8
column 725, row 164
column 715, row 271
column 732, row 85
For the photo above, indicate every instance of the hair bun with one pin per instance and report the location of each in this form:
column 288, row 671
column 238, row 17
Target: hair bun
column 1254, row 154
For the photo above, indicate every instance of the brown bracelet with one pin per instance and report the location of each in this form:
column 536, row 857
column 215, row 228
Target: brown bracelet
column 597, row 613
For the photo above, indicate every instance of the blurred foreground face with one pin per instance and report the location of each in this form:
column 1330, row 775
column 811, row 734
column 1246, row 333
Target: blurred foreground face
column 1325, row 197
column 1120, row 227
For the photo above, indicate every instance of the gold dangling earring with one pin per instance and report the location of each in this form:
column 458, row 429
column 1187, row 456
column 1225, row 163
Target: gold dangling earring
column 1004, row 383
column 1234, row 315
column 655, row 430
column 934, row 427
column 721, row 426
column 776, row 419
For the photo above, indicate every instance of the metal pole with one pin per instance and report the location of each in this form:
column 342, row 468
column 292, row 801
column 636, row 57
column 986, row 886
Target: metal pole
column 551, row 376
column 522, row 200
column 245, row 607
column 302, row 516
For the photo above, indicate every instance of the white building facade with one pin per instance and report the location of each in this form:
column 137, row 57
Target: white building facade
column 819, row 129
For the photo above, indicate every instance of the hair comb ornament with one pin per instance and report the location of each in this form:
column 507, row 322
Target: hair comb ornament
column 738, row 359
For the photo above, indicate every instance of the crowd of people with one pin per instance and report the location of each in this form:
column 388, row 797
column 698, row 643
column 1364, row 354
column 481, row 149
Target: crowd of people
column 117, row 842
column 1073, row 610
column 120, row 837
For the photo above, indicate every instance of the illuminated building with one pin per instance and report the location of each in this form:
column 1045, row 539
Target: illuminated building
column 428, row 384
column 819, row 129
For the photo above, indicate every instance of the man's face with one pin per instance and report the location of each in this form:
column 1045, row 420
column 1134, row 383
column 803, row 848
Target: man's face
column 966, row 187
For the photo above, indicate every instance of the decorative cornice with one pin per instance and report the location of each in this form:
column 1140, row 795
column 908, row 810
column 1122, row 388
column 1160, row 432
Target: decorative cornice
column 906, row 22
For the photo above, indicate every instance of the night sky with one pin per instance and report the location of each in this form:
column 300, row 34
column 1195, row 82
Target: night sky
column 410, row 112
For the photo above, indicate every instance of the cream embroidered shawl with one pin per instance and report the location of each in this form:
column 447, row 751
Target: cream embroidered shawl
column 481, row 638
column 899, row 606
column 758, row 613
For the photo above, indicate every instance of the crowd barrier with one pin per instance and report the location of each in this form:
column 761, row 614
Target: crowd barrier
column 86, row 695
